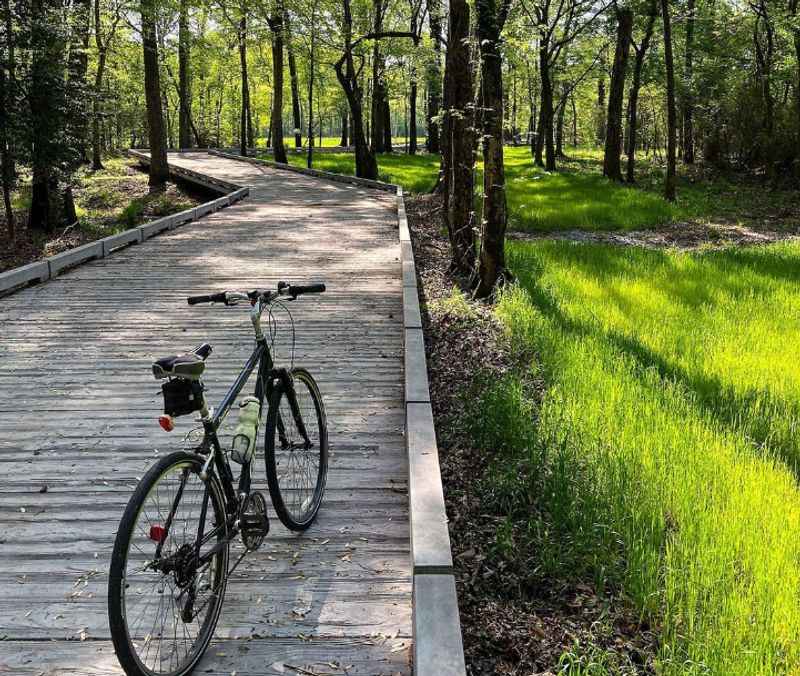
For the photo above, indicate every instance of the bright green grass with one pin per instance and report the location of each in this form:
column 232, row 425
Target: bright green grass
column 416, row 173
column 672, row 389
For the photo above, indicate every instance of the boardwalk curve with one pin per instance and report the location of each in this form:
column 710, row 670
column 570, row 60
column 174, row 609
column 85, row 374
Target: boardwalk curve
column 78, row 411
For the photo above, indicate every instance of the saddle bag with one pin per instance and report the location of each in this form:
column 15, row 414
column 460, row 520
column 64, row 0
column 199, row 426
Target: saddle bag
column 182, row 396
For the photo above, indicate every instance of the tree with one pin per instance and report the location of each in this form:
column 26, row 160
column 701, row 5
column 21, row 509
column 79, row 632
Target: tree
column 636, row 84
column 184, row 92
column 458, row 140
column 612, row 167
column 276, row 25
column 672, row 116
column 7, row 117
column 102, row 40
column 293, row 82
column 434, row 77
column 491, row 18
column 159, row 170
column 688, row 94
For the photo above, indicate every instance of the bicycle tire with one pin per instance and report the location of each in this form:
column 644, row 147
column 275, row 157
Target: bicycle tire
column 296, row 506
column 124, row 637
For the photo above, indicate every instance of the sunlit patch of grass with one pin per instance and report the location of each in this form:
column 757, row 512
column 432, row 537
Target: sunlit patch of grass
column 663, row 456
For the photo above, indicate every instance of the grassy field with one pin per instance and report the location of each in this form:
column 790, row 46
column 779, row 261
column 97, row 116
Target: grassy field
column 579, row 197
column 662, row 457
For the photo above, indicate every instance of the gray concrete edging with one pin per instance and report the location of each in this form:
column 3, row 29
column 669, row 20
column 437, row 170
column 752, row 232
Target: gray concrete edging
column 49, row 268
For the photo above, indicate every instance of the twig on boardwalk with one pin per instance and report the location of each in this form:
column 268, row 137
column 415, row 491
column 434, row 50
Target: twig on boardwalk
column 300, row 670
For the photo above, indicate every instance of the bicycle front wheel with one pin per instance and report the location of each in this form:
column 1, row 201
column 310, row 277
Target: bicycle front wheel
column 297, row 451
column 168, row 572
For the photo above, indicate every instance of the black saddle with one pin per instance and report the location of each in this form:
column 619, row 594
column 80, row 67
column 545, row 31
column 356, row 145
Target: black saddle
column 190, row 365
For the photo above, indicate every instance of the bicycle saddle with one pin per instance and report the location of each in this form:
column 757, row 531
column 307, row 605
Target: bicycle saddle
column 190, row 365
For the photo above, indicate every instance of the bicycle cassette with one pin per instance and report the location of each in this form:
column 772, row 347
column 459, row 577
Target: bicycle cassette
column 254, row 524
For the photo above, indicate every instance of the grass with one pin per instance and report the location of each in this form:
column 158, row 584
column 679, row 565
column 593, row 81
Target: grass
column 661, row 458
column 416, row 173
column 117, row 198
column 579, row 197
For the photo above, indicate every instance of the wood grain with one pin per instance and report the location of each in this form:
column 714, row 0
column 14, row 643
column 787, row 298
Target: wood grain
column 78, row 410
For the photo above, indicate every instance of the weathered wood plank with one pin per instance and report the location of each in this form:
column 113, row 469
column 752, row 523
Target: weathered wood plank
column 78, row 408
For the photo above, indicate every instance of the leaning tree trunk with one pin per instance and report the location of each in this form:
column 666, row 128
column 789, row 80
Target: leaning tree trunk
column 184, row 96
column 276, row 123
column 457, row 141
column 492, row 261
column 612, row 166
column 672, row 121
column 159, row 170
column 688, row 94
column 633, row 94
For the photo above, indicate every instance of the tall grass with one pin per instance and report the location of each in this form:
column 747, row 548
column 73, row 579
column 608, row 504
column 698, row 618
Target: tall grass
column 658, row 457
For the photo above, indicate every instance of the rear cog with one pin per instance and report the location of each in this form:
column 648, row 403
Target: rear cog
column 254, row 522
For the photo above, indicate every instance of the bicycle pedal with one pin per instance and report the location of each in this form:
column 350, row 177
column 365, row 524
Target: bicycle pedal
column 253, row 522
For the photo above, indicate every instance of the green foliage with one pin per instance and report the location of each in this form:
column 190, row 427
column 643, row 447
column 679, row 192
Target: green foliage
column 661, row 457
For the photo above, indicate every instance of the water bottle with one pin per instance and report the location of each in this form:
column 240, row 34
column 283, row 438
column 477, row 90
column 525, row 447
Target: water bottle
column 244, row 436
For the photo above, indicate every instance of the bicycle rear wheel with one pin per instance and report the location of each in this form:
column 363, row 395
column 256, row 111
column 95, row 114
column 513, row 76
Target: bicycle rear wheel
column 163, row 599
column 297, row 465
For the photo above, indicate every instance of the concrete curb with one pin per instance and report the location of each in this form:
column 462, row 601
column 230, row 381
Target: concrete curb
column 49, row 268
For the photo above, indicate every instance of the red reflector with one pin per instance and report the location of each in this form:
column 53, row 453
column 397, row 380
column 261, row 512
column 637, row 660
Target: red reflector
column 158, row 533
column 166, row 422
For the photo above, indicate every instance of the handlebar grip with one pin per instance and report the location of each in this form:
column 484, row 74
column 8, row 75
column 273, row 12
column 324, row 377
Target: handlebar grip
column 212, row 298
column 311, row 288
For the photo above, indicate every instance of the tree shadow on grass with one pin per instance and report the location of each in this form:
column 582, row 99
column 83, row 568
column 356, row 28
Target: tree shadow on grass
column 752, row 413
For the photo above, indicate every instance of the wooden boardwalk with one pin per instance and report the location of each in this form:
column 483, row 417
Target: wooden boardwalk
column 78, row 426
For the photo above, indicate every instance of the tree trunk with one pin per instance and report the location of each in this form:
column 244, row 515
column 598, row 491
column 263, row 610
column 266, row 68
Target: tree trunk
column 633, row 94
column 688, row 93
column 344, row 142
column 102, row 51
column 601, row 111
column 547, row 113
column 457, row 141
column 245, row 122
column 434, row 78
column 276, row 123
column 492, row 262
column 366, row 164
column 159, row 170
column 298, row 133
column 184, row 95
column 612, row 166
column 311, row 64
column 7, row 87
column 672, row 121
column 560, row 128
column 378, row 114
column 387, row 122
column 412, row 115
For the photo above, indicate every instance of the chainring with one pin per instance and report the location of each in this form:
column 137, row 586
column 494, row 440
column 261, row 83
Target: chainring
column 254, row 524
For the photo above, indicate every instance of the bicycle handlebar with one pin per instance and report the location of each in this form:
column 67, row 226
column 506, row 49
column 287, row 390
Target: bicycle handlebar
column 284, row 289
column 212, row 298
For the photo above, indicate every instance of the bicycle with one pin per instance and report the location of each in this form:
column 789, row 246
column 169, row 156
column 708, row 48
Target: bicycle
column 172, row 551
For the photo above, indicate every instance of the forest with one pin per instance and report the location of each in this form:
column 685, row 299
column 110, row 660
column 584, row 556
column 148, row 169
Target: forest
column 603, row 198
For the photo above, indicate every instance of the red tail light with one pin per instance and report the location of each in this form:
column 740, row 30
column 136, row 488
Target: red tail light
column 158, row 533
column 167, row 423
